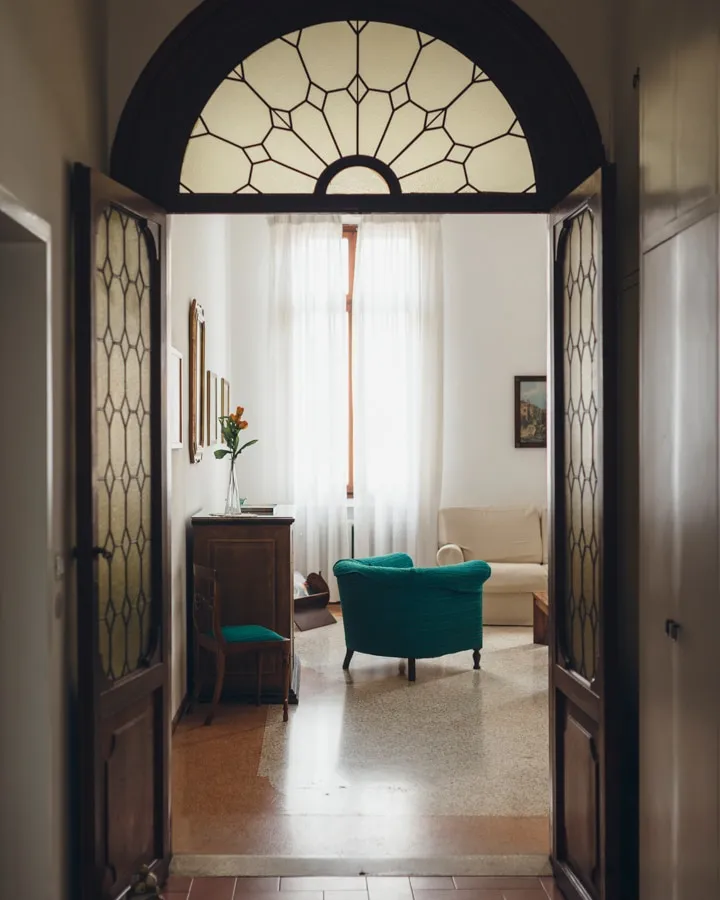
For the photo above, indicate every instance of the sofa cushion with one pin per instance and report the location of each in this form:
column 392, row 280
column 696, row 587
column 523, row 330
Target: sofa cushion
column 514, row 578
column 501, row 534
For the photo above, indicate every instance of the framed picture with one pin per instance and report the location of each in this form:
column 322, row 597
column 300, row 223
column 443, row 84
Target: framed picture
column 224, row 411
column 197, row 393
column 530, row 411
column 216, row 409
column 226, row 397
column 213, row 431
column 175, row 399
column 209, row 407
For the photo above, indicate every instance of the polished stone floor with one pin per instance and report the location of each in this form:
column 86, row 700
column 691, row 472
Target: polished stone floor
column 387, row 776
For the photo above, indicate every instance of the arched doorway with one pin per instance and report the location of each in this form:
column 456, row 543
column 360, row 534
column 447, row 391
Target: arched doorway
column 507, row 48
column 509, row 64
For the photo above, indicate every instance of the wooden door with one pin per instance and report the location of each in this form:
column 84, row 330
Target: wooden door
column 583, row 563
column 121, row 553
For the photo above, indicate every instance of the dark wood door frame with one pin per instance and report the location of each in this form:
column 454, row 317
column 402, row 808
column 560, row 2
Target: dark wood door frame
column 108, row 711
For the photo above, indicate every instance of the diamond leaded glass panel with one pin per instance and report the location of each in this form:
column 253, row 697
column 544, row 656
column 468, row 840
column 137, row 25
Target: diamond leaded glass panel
column 582, row 448
column 122, row 451
column 344, row 91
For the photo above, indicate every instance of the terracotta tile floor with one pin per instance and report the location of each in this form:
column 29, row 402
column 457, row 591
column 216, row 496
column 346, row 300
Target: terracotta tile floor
column 362, row 888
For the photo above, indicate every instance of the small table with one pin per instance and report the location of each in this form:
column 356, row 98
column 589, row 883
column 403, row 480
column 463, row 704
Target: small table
column 540, row 617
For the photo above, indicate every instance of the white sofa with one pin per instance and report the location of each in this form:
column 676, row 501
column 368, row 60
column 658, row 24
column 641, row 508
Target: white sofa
column 513, row 541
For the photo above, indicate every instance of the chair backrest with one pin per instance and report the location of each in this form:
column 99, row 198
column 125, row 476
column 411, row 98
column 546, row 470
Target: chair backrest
column 495, row 534
column 399, row 610
column 206, row 602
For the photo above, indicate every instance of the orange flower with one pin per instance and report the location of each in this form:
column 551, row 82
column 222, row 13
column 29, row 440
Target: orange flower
column 242, row 425
column 239, row 411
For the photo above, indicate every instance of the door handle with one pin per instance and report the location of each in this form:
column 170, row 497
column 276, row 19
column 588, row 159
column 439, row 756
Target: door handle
column 101, row 551
column 672, row 629
column 94, row 551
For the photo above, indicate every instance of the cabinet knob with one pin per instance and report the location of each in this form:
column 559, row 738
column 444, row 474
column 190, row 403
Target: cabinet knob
column 672, row 629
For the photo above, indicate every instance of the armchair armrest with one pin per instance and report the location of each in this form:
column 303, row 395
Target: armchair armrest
column 450, row 555
column 465, row 577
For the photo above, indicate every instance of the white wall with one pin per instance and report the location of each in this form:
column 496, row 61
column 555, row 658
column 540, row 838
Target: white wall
column 198, row 270
column 249, row 285
column 496, row 284
column 51, row 109
column 580, row 28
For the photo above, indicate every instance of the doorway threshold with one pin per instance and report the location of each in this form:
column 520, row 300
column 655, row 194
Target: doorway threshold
column 239, row 866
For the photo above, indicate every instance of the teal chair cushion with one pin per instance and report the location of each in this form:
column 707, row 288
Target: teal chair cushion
column 249, row 634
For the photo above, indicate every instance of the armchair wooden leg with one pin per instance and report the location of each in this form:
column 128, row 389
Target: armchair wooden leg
column 348, row 657
column 476, row 659
column 219, row 679
column 258, row 691
column 411, row 670
column 286, row 682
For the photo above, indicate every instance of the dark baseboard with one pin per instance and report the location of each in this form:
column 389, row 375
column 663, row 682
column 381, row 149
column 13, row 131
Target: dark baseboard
column 182, row 709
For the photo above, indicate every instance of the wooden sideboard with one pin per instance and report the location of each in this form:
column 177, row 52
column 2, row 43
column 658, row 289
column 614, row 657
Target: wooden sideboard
column 252, row 556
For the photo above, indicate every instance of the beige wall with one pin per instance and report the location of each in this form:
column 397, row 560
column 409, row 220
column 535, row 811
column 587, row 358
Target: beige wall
column 52, row 114
column 580, row 28
column 29, row 748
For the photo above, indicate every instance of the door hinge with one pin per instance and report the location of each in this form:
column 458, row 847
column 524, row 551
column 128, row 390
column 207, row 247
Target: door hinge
column 636, row 78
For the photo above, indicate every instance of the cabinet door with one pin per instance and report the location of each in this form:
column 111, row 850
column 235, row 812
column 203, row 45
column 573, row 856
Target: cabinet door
column 680, row 613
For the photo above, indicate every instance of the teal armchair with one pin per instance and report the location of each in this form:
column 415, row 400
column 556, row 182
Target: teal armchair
column 390, row 608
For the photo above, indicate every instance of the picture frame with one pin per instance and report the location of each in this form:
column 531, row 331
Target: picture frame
column 530, row 411
column 224, row 411
column 208, row 407
column 197, row 392
column 216, row 409
column 226, row 397
column 211, row 385
column 175, row 399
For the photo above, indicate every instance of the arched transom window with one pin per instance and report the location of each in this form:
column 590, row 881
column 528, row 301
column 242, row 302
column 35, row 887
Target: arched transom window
column 357, row 108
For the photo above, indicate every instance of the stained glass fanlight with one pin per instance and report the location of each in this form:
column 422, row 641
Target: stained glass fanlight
column 357, row 108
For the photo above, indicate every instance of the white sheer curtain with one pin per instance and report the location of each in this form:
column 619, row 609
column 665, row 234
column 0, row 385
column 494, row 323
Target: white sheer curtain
column 308, row 387
column 397, row 384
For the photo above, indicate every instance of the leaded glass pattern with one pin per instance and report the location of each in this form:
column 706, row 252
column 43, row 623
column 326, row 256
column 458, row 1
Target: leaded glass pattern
column 582, row 375
column 353, row 90
column 122, row 450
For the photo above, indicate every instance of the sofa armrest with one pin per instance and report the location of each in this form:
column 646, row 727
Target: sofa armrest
column 450, row 555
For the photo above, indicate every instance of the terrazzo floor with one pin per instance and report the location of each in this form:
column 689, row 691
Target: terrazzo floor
column 446, row 776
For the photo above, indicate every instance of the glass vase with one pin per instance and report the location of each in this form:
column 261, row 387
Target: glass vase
column 233, row 501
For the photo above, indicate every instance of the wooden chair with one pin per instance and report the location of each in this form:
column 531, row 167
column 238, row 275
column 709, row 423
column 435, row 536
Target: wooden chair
column 225, row 640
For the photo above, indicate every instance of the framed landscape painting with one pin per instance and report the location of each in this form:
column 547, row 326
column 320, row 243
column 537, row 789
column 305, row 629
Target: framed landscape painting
column 530, row 411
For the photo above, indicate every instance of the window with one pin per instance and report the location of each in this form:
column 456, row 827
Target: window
column 350, row 247
column 352, row 108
